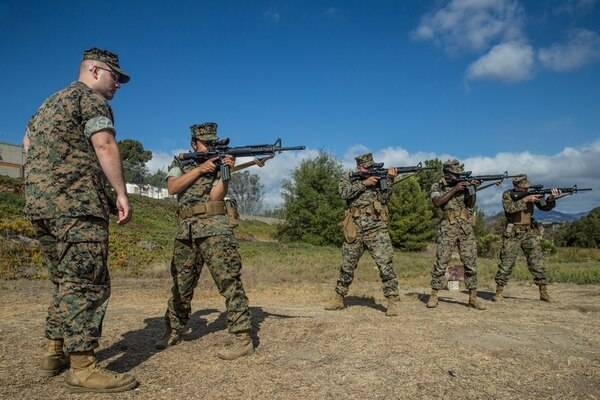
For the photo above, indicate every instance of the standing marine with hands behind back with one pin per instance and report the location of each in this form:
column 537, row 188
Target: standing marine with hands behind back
column 204, row 236
column 71, row 148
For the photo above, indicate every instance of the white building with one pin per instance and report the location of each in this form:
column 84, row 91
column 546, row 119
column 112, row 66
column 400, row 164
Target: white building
column 12, row 159
column 148, row 191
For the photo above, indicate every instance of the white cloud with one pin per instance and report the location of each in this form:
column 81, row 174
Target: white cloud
column 162, row 160
column 508, row 62
column 581, row 47
column 472, row 24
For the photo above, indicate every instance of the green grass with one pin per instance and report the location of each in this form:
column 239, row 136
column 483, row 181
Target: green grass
column 144, row 247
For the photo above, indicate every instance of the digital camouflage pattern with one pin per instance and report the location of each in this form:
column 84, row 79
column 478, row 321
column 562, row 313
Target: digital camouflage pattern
column 452, row 166
column 109, row 58
column 524, row 237
column 205, row 132
column 455, row 230
column 199, row 192
column 75, row 250
column 221, row 255
column 366, row 160
column 63, row 177
column 199, row 240
column 370, row 216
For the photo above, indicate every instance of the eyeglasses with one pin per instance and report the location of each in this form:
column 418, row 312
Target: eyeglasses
column 113, row 74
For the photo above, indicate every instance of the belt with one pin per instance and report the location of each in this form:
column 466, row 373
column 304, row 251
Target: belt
column 207, row 209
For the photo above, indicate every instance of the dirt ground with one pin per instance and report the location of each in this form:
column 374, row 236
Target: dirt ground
column 522, row 349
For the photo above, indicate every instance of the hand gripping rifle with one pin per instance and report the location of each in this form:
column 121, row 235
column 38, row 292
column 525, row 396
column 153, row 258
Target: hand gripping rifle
column 380, row 172
column 542, row 191
column 496, row 180
column 221, row 148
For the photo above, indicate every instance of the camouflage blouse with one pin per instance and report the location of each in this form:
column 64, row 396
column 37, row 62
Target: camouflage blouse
column 63, row 177
column 370, row 204
column 457, row 204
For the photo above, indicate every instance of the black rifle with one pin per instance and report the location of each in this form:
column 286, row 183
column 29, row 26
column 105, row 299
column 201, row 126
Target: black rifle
column 219, row 149
column 542, row 191
column 382, row 173
column 466, row 176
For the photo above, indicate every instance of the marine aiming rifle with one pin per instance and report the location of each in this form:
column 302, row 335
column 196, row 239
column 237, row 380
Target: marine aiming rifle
column 379, row 171
column 220, row 148
column 540, row 190
column 496, row 180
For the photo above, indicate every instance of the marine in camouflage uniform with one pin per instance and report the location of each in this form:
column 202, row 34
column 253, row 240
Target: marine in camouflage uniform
column 366, row 228
column 523, row 232
column 204, row 236
column 68, row 207
column 455, row 229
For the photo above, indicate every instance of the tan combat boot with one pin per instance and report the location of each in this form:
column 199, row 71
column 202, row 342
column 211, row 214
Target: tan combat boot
column 499, row 297
column 392, row 306
column 433, row 299
column 86, row 375
column 170, row 338
column 55, row 360
column 544, row 296
column 474, row 302
column 241, row 346
column 335, row 303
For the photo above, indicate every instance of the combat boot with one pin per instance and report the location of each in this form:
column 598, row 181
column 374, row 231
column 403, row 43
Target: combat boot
column 392, row 306
column 499, row 297
column 335, row 303
column 433, row 299
column 544, row 296
column 55, row 360
column 474, row 302
column 241, row 346
column 85, row 375
column 170, row 338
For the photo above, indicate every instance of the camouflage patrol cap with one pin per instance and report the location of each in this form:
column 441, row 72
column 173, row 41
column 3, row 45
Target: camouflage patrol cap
column 452, row 166
column 521, row 182
column 206, row 132
column 109, row 58
column 366, row 160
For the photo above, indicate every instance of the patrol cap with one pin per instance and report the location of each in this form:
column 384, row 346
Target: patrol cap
column 452, row 166
column 366, row 160
column 521, row 182
column 206, row 132
column 109, row 58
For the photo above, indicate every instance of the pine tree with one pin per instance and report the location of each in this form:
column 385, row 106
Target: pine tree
column 312, row 206
column 410, row 216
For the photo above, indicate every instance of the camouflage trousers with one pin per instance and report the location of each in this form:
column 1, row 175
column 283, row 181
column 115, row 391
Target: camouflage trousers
column 221, row 255
column 527, row 240
column 459, row 234
column 75, row 251
column 379, row 246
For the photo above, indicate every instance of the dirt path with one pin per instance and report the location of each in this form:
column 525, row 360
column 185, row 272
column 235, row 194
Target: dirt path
column 523, row 349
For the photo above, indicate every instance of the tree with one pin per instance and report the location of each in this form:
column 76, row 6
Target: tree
column 428, row 177
column 410, row 216
column 247, row 190
column 584, row 232
column 157, row 179
column 134, row 160
column 312, row 206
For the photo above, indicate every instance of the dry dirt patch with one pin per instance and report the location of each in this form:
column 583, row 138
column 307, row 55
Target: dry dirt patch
column 523, row 349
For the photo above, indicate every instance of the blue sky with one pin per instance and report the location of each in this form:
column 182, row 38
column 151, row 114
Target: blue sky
column 500, row 84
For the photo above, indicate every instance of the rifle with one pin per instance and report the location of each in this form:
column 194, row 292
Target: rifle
column 219, row 149
column 540, row 190
column 382, row 173
column 467, row 177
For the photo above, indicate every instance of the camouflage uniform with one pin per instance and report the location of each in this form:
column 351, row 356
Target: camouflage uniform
column 68, row 207
column 455, row 229
column 522, row 232
column 367, row 212
column 204, row 238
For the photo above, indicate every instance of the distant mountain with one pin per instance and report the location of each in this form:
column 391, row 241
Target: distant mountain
column 557, row 216
column 545, row 216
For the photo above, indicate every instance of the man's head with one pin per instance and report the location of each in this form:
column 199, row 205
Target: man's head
column 521, row 182
column 203, row 134
column 452, row 167
column 364, row 161
column 100, row 70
